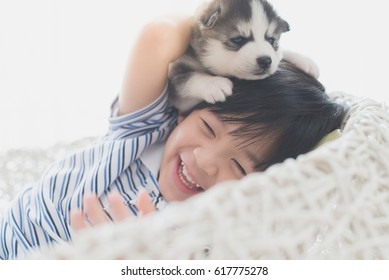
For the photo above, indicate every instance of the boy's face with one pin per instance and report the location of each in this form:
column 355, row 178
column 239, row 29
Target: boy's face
column 200, row 153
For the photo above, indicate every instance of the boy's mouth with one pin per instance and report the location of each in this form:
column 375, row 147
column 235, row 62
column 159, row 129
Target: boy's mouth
column 186, row 179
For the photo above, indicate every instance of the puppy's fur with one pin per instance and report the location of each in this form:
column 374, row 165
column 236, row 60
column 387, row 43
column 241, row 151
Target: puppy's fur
column 230, row 38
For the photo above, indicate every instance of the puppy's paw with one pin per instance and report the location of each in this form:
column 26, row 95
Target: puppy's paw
column 303, row 62
column 216, row 89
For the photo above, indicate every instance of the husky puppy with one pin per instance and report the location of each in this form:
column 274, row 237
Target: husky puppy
column 230, row 38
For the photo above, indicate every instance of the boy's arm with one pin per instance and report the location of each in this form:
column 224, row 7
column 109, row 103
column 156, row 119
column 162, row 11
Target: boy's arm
column 158, row 44
column 303, row 62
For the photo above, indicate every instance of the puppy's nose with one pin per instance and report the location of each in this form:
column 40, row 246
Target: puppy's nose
column 264, row 62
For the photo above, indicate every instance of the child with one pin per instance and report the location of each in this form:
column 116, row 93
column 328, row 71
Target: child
column 262, row 123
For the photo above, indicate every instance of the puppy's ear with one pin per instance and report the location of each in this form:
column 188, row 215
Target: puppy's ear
column 284, row 26
column 210, row 14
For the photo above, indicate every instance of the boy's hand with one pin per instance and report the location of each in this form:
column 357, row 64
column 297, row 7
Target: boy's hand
column 144, row 205
column 94, row 214
column 303, row 62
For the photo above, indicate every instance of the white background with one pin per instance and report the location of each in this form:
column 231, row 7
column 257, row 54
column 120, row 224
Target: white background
column 61, row 61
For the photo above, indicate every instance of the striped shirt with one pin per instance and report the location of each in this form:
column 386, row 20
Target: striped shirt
column 39, row 215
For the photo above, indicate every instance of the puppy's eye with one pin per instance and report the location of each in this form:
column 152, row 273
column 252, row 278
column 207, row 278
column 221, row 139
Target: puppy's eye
column 271, row 40
column 239, row 41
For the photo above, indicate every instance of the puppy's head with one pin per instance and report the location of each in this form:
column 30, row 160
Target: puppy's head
column 239, row 38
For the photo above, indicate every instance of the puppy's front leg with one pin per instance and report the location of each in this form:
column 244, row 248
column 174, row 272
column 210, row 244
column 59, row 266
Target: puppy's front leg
column 193, row 87
column 303, row 62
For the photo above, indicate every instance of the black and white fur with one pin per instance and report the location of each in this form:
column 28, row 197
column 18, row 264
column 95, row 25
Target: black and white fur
column 230, row 38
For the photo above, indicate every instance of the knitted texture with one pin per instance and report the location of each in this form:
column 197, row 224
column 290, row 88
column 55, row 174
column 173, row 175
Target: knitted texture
column 331, row 203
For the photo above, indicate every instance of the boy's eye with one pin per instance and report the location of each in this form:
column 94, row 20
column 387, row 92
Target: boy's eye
column 239, row 167
column 208, row 128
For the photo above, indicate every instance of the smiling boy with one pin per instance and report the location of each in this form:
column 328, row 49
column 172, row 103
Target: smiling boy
column 146, row 148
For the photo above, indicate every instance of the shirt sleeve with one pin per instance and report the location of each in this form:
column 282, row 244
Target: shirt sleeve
column 158, row 115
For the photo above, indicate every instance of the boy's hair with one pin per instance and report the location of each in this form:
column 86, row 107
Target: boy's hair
column 290, row 110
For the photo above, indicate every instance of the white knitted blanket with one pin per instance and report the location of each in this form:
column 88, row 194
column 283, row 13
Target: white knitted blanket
column 332, row 203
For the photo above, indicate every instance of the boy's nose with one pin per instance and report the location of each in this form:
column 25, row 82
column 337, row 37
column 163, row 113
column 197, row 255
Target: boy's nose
column 206, row 160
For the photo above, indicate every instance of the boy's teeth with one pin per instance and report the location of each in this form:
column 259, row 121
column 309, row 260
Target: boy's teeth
column 189, row 179
column 185, row 172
